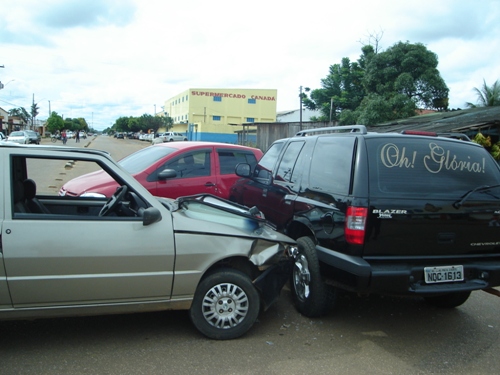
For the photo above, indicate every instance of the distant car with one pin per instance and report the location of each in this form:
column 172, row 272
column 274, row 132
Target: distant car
column 82, row 135
column 119, row 136
column 172, row 136
column 35, row 137
column 173, row 170
column 19, row 136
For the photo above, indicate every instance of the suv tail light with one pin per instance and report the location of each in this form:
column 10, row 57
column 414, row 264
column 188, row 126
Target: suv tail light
column 355, row 225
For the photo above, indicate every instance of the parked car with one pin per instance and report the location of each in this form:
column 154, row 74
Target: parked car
column 172, row 136
column 173, row 170
column 2, row 137
column 34, row 136
column 404, row 214
column 220, row 261
column 19, row 136
column 120, row 136
column 82, row 135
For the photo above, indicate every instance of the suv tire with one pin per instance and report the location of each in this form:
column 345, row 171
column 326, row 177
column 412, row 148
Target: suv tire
column 311, row 296
column 238, row 301
column 448, row 301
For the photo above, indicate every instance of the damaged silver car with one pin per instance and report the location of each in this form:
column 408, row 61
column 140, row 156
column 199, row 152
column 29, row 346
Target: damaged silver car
column 133, row 252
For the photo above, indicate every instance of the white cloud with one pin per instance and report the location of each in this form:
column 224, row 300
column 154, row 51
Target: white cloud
column 106, row 59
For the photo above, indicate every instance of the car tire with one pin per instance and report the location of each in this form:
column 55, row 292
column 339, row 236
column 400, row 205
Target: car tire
column 238, row 301
column 449, row 300
column 310, row 295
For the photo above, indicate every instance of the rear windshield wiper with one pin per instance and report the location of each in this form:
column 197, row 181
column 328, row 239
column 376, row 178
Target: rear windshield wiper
column 464, row 197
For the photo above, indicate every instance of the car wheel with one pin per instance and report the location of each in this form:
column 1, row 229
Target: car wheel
column 225, row 305
column 448, row 301
column 311, row 296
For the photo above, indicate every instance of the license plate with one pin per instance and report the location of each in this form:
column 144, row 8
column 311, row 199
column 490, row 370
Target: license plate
column 443, row 274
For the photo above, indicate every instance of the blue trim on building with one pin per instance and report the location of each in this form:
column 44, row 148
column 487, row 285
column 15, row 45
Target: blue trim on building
column 218, row 137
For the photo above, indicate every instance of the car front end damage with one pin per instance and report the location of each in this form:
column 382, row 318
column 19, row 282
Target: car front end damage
column 222, row 233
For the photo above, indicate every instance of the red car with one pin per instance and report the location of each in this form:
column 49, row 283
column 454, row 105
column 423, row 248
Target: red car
column 172, row 170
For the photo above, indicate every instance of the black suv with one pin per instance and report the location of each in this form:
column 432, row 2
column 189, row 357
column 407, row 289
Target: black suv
column 397, row 213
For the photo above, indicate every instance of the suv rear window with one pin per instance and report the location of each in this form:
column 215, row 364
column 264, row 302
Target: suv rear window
column 434, row 167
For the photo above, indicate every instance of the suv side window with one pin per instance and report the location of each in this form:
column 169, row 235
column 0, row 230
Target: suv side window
column 331, row 164
column 286, row 168
column 268, row 160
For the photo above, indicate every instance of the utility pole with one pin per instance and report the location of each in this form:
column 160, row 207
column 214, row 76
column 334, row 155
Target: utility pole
column 300, row 110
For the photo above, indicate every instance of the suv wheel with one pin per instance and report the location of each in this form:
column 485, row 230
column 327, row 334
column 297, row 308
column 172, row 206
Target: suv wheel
column 225, row 305
column 448, row 301
column 311, row 296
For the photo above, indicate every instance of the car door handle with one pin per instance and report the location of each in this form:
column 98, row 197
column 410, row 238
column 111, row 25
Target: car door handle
column 209, row 184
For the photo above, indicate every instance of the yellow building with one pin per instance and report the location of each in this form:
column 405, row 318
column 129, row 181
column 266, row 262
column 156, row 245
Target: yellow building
column 216, row 114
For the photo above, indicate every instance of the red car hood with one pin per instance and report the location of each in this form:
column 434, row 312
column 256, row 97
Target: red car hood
column 95, row 182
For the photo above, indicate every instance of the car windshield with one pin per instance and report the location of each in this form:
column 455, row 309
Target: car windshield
column 140, row 160
column 16, row 134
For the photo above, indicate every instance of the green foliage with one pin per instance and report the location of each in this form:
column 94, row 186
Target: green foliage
column 494, row 149
column 381, row 86
column 34, row 112
column 75, row 124
column 21, row 113
column 487, row 96
column 342, row 90
column 55, row 123
column 143, row 123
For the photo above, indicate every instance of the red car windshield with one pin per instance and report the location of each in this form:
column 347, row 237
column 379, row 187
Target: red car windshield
column 142, row 159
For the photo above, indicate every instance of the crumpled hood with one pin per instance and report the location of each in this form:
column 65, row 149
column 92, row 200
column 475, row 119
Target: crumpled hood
column 221, row 217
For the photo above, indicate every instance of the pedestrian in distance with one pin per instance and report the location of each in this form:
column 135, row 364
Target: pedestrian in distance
column 63, row 136
column 77, row 136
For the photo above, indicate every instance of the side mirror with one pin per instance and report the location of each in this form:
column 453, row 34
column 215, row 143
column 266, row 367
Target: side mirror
column 151, row 215
column 166, row 174
column 243, row 170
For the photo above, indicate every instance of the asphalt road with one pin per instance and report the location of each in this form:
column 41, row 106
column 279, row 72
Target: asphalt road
column 362, row 335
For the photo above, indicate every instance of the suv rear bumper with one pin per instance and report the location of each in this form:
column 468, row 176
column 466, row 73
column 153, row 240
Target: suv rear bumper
column 403, row 276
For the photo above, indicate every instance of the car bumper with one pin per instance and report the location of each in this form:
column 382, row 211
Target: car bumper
column 272, row 280
column 403, row 277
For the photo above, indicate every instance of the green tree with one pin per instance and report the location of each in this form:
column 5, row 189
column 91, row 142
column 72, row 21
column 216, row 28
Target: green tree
column 487, row 96
column 341, row 90
column 21, row 113
column 34, row 112
column 55, row 123
column 406, row 76
column 381, row 86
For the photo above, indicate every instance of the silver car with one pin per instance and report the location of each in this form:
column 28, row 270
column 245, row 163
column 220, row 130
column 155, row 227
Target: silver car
column 19, row 136
column 172, row 136
column 220, row 261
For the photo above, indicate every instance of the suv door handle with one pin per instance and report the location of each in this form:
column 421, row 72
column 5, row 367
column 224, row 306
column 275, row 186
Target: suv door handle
column 209, row 184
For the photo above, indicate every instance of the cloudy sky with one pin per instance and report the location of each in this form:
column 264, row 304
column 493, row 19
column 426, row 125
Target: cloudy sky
column 103, row 59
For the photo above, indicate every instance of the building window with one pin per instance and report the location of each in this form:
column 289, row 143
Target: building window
column 252, row 101
column 250, row 119
column 216, row 118
column 217, row 98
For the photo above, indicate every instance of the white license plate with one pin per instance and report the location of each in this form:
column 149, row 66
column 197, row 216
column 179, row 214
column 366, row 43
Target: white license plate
column 443, row 274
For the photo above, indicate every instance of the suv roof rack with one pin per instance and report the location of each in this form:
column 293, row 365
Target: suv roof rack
column 333, row 129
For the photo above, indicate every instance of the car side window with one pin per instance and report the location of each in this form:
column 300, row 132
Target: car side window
column 40, row 191
column 331, row 165
column 193, row 164
column 288, row 162
column 266, row 163
column 228, row 159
